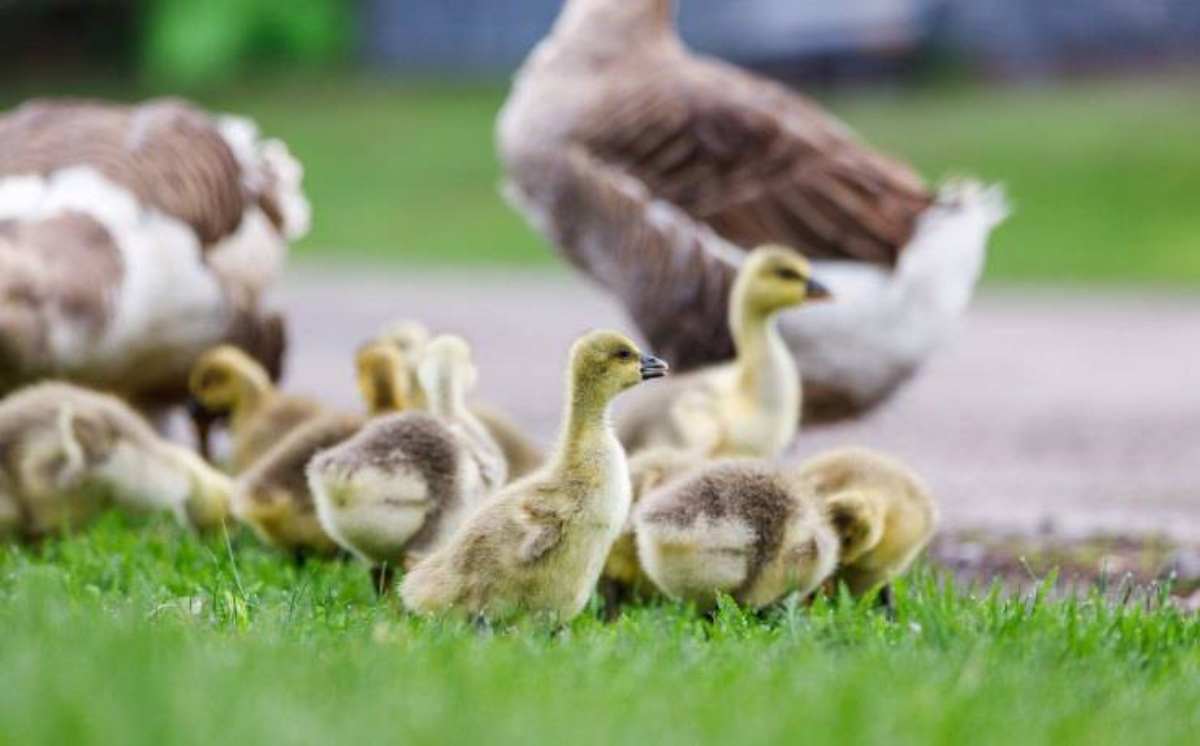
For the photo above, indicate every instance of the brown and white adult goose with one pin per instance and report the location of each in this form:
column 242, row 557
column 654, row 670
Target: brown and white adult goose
column 133, row 238
column 654, row 170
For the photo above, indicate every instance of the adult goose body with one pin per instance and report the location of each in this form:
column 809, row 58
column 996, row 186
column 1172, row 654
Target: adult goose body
column 654, row 170
column 135, row 237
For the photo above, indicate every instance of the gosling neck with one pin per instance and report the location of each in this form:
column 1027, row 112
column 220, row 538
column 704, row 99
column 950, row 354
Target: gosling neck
column 586, row 427
column 447, row 398
column 386, row 390
column 764, row 364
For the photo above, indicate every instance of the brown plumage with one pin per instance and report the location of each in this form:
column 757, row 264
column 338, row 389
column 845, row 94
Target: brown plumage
column 653, row 169
column 177, row 219
column 139, row 147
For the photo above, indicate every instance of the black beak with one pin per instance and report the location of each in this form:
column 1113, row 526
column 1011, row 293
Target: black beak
column 814, row 290
column 652, row 367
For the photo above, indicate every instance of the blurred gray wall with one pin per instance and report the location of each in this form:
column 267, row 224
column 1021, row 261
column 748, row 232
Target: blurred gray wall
column 1017, row 37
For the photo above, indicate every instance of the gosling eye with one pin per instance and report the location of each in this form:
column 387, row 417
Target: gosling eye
column 211, row 379
column 624, row 354
column 787, row 273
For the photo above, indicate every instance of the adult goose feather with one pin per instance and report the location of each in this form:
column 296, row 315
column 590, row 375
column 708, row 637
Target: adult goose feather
column 134, row 237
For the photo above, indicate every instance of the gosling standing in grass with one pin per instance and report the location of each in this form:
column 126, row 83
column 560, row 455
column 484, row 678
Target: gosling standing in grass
column 226, row 382
column 740, row 527
column 539, row 545
column 398, row 488
column 883, row 513
column 273, row 497
column 747, row 407
column 67, row 453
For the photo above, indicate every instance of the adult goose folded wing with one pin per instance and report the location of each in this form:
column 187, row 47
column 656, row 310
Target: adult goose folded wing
column 135, row 237
column 654, row 170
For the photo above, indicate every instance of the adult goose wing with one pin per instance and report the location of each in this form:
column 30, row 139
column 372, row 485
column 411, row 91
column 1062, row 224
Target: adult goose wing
column 756, row 162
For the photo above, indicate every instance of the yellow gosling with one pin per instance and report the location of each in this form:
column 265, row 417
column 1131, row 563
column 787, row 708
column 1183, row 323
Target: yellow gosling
column 227, row 382
column 748, row 407
column 538, row 547
column 882, row 511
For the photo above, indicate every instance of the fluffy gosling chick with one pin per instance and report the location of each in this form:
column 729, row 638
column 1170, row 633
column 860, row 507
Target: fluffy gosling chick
column 401, row 485
column 648, row 470
column 226, row 382
column 66, row 453
column 750, row 406
column 883, row 513
column 540, row 544
column 521, row 454
column 737, row 527
column 273, row 496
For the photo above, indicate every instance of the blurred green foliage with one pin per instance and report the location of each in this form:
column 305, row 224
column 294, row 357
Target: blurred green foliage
column 193, row 42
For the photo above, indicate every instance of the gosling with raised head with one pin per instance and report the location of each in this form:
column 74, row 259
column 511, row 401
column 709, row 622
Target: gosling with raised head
column 540, row 544
column 748, row 407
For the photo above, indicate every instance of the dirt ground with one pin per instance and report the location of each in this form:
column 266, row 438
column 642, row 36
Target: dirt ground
column 1053, row 412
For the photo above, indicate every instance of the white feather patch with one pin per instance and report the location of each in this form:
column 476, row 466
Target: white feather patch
column 167, row 298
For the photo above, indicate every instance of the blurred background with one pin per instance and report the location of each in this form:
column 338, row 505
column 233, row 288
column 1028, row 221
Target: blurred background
column 1086, row 109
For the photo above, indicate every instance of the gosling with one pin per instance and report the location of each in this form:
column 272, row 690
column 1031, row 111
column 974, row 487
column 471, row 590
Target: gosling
column 539, row 545
column 398, row 488
column 739, row 527
column 273, row 497
column 67, row 453
column 883, row 513
column 749, row 407
column 226, row 382
column 623, row 577
column 522, row 455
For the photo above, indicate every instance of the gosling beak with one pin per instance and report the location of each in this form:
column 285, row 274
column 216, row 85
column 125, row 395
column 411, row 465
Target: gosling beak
column 814, row 290
column 652, row 367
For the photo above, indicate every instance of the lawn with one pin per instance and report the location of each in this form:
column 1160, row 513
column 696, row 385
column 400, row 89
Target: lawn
column 138, row 635
column 1104, row 175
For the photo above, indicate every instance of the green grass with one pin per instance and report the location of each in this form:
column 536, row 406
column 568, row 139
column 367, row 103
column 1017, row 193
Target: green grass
column 138, row 635
column 1104, row 176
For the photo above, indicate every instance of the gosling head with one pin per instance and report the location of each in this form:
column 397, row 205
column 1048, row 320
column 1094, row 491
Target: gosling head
column 222, row 379
column 773, row 278
column 446, row 372
column 605, row 363
column 408, row 336
column 383, row 377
